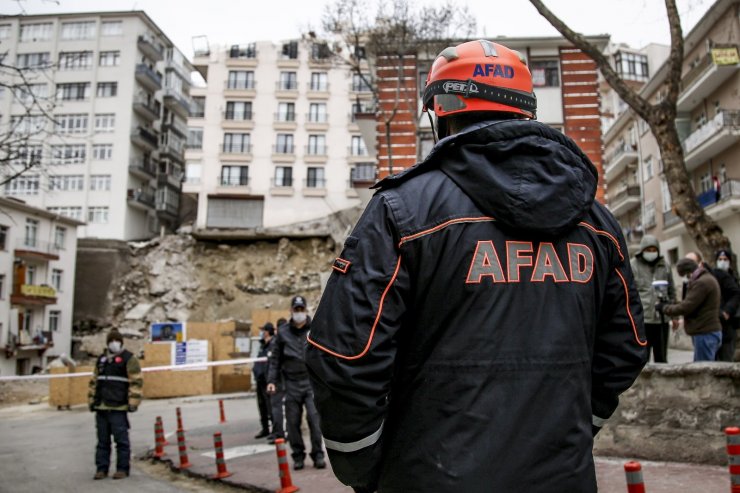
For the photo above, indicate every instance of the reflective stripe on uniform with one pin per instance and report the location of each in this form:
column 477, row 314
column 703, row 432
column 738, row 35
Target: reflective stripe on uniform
column 354, row 446
column 597, row 421
column 115, row 379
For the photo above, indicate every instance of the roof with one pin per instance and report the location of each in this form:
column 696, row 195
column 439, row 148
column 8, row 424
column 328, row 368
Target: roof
column 19, row 205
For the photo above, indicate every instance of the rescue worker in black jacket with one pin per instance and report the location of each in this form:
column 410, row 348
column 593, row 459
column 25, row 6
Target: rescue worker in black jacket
column 114, row 391
column 482, row 318
column 260, row 377
column 287, row 359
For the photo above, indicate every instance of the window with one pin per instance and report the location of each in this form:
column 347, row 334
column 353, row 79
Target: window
column 56, row 279
column 55, row 317
column 290, row 50
column 32, row 233
column 68, row 154
column 232, row 176
column 111, row 28
column 5, row 31
column 288, row 81
column 32, row 60
column 240, row 79
column 320, row 51
column 97, row 215
column 30, row 277
column 283, row 176
column 105, row 122
column 71, row 124
column 2, row 286
column 60, row 237
column 236, row 143
column 36, row 32
column 27, row 124
column 647, row 167
column 316, row 145
column 193, row 172
column 107, row 89
column 23, row 185
column 317, row 113
column 286, row 112
column 245, row 51
column 705, row 183
column 319, row 81
column 195, row 138
column 665, row 194
column 631, row 66
column 360, row 83
column 422, row 82
column 99, row 183
column 197, row 106
column 67, row 183
column 358, row 146
column 78, row 30
column 3, row 237
column 238, row 110
column 76, row 91
column 70, row 212
column 102, row 152
column 545, row 73
column 284, row 144
column 75, row 60
column 109, row 58
column 722, row 175
column 30, row 155
column 649, row 219
column 315, row 178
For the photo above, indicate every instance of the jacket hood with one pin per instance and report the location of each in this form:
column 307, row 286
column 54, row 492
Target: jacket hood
column 523, row 173
column 649, row 241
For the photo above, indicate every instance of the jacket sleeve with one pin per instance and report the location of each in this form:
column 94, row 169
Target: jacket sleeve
column 275, row 354
column 352, row 347
column 135, row 382
column 92, row 386
column 620, row 345
column 730, row 293
column 695, row 295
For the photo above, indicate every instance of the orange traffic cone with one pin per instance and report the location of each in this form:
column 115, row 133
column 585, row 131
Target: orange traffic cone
column 286, row 484
column 733, row 455
column 633, row 471
column 158, row 439
column 221, row 471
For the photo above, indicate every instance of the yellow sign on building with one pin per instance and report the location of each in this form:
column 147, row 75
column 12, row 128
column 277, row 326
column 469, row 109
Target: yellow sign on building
column 725, row 56
column 41, row 291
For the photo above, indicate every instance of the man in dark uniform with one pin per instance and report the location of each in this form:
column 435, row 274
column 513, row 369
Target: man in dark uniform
column 260, row 377
column 288, row 359
column 114, row 391
column 482, row 319
column 277, row 398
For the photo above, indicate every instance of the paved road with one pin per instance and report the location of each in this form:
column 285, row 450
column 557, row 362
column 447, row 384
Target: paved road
column 42, row 449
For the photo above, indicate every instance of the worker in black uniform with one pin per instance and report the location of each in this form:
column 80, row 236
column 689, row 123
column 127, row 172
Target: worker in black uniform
column 260, row 377
column 287, row 359
column 482, row 318
column 277, row 398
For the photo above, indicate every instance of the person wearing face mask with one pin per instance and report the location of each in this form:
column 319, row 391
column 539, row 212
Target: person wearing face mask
column 649, row 266
column 114, row 391
column 287, row 359
column 730, row 305
column 699, row 309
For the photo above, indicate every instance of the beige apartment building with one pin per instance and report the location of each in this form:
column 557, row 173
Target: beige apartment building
column 709, row 127
column 113, row 155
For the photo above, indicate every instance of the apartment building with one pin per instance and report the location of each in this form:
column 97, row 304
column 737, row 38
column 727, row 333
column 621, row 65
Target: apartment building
column 273, row 138
column 709, row 127
column 113, row 154
column 37, row 271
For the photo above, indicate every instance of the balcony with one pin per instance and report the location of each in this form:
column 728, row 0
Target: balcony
column 317, row 121
column 286, row 88
column 167, row 209
column 233, row 181
column 150, row 47
column 703, row 79
column 149, row 109
column 363, row 175
column 284, row 153
column 237, row 120
column 242, row 56
column 177, row 126
column 141, row 198
column 172, row 180
column 357, row 154
column 314, row 187
column 148, row 77
column 618, row 160
column 284, row 121
column 315, row 154
column 240, row 88
column 624, row 200
column 317, row 90
column 33, row 249
column 173, row 148
column 144, row 138
column 669, row 219
column 281, row 187
column 33, row 295
column 142, row 168
column 715, row 136
column 720, row 206
column 235, row 151
column 176, row 102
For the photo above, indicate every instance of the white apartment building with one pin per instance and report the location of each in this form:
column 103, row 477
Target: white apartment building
column 113, row 156
column 38, row 254
column 709, row 127
column 273, row 140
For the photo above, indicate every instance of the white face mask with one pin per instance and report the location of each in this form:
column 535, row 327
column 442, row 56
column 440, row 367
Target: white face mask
column 114, row 346
column 650, row 256
column 723, row 264
column 299, row 317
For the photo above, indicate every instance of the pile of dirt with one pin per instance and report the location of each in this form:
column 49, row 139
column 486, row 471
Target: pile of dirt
column 23, row 392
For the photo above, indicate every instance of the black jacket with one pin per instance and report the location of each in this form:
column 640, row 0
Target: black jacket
column 260, row 367
column 730, row 292
column 287, row 355
column 112, row 379
column 481, row 315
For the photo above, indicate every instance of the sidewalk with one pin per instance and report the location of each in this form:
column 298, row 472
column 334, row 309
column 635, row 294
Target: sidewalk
column 253, row 464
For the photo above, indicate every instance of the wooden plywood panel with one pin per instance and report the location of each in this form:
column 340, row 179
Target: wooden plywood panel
column 68, row 391
column 178, row 383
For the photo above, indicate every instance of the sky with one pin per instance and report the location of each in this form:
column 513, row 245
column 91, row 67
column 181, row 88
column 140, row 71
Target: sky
column 635, row 22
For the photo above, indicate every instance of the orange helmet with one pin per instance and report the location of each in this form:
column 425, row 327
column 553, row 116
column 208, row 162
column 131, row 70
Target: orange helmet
column 479, row 76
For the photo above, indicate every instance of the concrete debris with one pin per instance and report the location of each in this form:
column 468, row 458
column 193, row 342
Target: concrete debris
column 138, row 312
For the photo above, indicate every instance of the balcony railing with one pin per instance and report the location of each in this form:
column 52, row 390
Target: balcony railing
column 234, row 181
column 723, row 119
column 282, row 182
column 145, row 136
column 141, row 195
column 284, row 117
column 621, row 148
column 240, row 85
column 314, row 183
column 317, row 87
column 317, row 117
column 178, row 126
column 30, row 244
column 232, row 148
column 143, row 166
column 181, row 103
column 151, row 47
column 150, row 107
column 238, row 115
column 629, row 191
column 697, row 70
column 144, row 73
column 730, row 188
column 357, row 151
column 244, row 52
column 283, row 149
column 316, row 150
column 363, row 173
column 287, row 85
column 670, row 218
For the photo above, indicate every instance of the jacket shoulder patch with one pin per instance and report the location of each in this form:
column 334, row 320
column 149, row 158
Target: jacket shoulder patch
column 341, row 265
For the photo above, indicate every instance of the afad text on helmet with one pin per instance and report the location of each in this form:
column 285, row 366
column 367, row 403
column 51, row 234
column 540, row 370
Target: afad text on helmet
column 493, row 70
